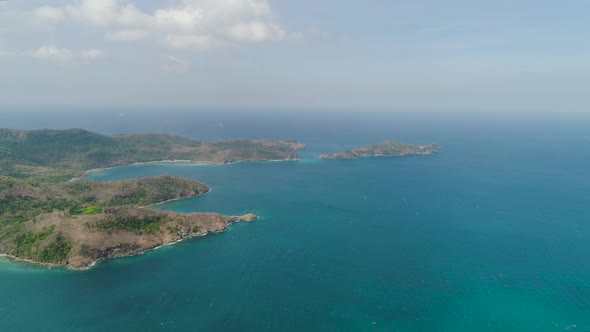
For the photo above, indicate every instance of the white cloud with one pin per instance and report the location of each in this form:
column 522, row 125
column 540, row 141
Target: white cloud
column 172, row 64
column 130, row 16
column 92, row 54
column 178, row 19
column 64, row 55
column 96, row 12
column 126, row 35
column 54, row 53
column 255, row 32
column 191, row 24
column 49, row 14
column 194, row 42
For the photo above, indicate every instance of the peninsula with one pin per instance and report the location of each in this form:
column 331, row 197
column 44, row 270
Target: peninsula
column 47, row 218
column 384, row 149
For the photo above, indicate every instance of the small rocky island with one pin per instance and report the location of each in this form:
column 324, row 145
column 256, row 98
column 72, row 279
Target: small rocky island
column 49, row 216
column 384, row 149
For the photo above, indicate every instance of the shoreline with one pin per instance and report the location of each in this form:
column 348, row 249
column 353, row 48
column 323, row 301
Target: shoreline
column 231, row 220
column 178, row 161
column 116, row 205
column 18, row 260
column 168, row 161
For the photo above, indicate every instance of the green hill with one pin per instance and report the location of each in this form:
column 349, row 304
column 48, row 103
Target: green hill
column 39, row 153
column 46, row 218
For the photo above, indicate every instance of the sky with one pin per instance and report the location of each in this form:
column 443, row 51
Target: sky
column 302, row 55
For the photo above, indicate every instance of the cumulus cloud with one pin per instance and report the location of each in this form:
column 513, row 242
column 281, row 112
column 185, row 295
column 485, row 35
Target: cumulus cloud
column 126, row 35
column 64, row 55
column 255, row 31
column 172, row 64
column 54, row 53
column 190, row 24
column 92, row 54
column 194, row 42
column 50, row 14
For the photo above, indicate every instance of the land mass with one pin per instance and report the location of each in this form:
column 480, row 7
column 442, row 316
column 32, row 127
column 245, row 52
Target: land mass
column 47, row 218
column 384, row 149
column 61, row 154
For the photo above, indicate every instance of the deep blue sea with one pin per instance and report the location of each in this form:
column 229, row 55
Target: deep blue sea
column 493, row 234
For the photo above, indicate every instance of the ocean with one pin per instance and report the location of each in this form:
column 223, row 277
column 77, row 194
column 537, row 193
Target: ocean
column 492, row 234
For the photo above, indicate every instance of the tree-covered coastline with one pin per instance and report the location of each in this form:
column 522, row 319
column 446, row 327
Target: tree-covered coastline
column 50, row 216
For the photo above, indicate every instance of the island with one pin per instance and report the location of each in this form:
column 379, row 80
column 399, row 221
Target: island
column 51, row 215
column 384, row 149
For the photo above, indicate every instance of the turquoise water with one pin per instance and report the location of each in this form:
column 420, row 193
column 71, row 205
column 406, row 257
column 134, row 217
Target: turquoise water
column 491, row 235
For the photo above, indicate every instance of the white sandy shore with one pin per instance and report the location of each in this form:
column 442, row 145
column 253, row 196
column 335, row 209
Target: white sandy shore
column 179, row 161
column 172, row 161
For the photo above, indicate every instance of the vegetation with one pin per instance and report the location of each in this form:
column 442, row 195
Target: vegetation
column 55, row 252
column 28, row 201
column 387, row 148
column 136, row 224
column 42, row 246
column 29, row 207
column 47, row 217
column 92, row 210
column 55, row 155
column 27, row 244
column 24, row 205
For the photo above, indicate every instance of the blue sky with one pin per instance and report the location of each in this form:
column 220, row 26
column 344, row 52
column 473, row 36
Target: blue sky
column 386, row 55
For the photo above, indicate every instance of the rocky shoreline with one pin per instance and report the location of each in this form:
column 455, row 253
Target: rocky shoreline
column 113, row 254
column 118, row 252
column 185, row 162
